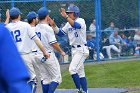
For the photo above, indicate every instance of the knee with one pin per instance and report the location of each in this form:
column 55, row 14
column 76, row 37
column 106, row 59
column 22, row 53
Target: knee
column 72, row 71
column 58, row 79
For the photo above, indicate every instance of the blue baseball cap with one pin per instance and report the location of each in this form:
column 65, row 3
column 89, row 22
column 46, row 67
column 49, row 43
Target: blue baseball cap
column 31, row 15
column 42, row 12
column 73, row 8
column 14, row 11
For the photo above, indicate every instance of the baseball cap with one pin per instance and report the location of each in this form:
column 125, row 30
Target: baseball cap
column 43, row 11
column 72, row 8
column 31, row 15
column 14, row 11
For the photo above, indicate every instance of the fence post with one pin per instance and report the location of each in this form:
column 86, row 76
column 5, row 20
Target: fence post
column 98, row 25
column 12, row 3
column 139, row 11
column 44, row 3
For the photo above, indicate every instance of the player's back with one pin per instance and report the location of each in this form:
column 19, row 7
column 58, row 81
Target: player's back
column 46, row 35
column 22, row 34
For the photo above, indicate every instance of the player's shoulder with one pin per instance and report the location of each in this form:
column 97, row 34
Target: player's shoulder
column 24, row 23
column 80, row 19
column 3, row 30
column 19, row 23
column 9, row 24
column 49, row 27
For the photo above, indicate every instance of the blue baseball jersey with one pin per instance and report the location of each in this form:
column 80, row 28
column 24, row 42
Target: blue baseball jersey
column 13, row 72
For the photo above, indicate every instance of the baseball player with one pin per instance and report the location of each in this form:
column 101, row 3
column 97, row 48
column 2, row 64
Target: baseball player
column 76, row 30
column 13, row 77
column 50, row 69
column 24, row 35
column 32, row 19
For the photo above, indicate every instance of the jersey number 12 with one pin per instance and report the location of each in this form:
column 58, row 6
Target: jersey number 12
column 16, row 35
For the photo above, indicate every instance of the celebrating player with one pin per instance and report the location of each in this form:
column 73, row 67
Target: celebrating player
column 50, row 69
column 76, row 30
column 24, row 36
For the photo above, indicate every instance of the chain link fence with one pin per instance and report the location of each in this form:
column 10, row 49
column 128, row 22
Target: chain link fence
column 121, row 14
column 119, row 17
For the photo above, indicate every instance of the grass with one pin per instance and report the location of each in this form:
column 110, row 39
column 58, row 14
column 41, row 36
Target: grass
column 111, row 75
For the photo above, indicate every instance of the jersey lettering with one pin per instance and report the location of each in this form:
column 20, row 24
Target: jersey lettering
column 71, row 29
column 16, row 35
column 76, row 34
column 38, row 34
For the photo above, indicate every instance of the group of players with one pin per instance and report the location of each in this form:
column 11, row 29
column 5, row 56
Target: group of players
column 36, row 42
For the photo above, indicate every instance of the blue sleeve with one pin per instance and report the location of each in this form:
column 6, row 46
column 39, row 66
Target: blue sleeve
column 76, row 25
column 111, row 40
column 2, row 24
column 13, row 72
column 61, row 32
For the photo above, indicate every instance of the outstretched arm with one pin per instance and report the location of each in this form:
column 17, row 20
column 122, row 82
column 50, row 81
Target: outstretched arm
column 57, row 30
column 70, row 20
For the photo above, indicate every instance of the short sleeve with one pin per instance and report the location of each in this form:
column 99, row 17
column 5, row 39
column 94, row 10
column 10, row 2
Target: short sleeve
column 81, row 22
column 31, row 31
column 51, row 36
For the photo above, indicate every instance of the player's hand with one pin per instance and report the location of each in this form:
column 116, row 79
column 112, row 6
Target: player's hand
column 63, row 12
column 7, row 17
column 7, row 14
column 46, row 55
column 63, row 53
column 51, row 22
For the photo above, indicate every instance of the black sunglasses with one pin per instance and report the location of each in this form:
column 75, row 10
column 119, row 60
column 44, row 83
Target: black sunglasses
column 69, row 12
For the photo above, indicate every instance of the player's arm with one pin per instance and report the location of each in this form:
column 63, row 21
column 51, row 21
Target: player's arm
column 57, row 47
column 41, row 47
column 71, row 21
column 57, row 30
column 7, row 17
column 53, row 42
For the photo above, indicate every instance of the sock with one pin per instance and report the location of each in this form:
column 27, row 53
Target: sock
column 45, row 87
column 83, row 83
column 33, row 86
column 53, row 87
column 76, row 80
